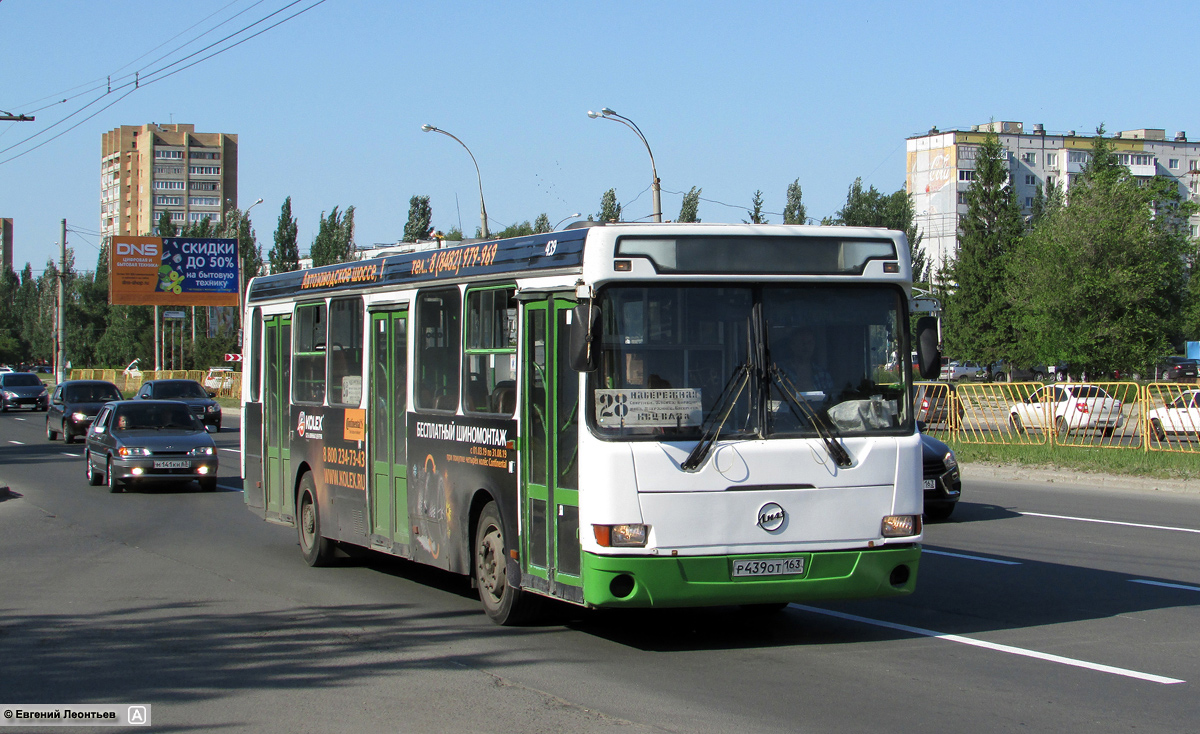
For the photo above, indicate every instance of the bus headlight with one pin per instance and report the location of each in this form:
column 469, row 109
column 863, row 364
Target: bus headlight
column 901, row 526
column 622, row 536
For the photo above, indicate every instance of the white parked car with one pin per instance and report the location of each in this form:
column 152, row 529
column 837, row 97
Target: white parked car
column 1180, row 416
column 1067, row 407
column 959, row 370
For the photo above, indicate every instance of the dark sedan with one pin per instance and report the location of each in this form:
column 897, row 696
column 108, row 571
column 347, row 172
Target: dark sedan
column 186, row 391
column 74, row 406
column 1180, row 369
column 943, row 483
column 22, row 390
column 135, row 441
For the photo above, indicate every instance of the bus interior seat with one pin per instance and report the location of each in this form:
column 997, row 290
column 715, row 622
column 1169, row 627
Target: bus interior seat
column 504, row 397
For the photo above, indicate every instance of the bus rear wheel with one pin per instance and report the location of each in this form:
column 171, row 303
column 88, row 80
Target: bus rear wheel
column 317, row 550
column 503, row 604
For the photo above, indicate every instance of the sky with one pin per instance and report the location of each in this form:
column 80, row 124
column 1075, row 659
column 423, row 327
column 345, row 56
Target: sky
column 732, row 97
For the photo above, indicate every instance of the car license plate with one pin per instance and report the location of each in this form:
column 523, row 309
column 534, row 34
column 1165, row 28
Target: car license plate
column 172, row 464
column 930, row 483
column 768, row 567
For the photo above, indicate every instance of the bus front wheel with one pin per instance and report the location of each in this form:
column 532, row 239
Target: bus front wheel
column 504, row 604
column 317, row 550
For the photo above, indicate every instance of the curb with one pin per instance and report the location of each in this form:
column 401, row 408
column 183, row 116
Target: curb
column 1078, row 478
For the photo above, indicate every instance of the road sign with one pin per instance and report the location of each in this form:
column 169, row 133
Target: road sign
column 233, row 358
column 175, row 315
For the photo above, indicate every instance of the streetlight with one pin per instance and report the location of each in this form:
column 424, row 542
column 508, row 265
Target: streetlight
column 655, row 188
column 569, row 216
column 482, row 209
column 241, row 276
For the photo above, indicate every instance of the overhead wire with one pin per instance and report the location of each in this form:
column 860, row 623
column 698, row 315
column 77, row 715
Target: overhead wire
column 139, row 83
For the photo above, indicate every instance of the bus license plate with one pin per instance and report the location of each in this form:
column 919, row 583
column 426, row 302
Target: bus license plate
column 930, row 483
column 768, row 567
column 171, row 464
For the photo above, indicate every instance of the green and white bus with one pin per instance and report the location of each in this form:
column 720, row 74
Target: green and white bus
column 626, row 415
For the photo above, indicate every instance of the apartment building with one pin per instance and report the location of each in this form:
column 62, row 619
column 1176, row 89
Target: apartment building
column 941, row 166
column 150, row 169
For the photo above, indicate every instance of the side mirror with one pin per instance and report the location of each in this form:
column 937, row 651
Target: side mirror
column 211, row 394
column 585, row 332
column 929, row 358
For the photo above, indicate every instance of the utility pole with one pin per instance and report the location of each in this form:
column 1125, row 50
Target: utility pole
column 61, row 355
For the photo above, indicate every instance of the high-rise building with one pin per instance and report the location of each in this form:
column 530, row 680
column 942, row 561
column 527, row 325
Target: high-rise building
column 151, row 169
column 941, row 166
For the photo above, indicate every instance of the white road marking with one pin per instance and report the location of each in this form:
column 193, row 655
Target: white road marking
column 19, row 443
column 232, row 451
column 22, row 419
column 64, row 453
column 1111, row 522
column 1148, row 582
column 970, row 558
column 996, row 647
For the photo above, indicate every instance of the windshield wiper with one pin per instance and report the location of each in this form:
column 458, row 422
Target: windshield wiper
column 725, row 404
column 826, row 431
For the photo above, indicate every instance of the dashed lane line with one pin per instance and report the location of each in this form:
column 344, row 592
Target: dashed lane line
column 1148, row 582
column 1111, row 522
column 1098, row 667
column 969, row 558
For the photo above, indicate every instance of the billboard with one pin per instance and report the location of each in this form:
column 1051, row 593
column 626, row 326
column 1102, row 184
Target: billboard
column 173, row 271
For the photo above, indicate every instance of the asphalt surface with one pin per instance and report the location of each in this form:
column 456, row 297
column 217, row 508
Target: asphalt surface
column 1061, row 606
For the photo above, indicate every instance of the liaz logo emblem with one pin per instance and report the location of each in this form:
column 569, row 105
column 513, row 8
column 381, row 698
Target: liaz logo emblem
column 310, row 426
column 771, row 517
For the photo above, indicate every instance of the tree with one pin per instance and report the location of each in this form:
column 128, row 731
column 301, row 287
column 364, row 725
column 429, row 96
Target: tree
column 166, row 227
column 979, row 322
column 541, row 224
column 454, row 234
column 691, row 203
column 514, row 230
column 285, row 254
column 872, row 208
column 755, row 211
column 334, row 242
column 420, row 219
column 794, row 211
column 236, row 225
column 1104, row 277
column 610, row 208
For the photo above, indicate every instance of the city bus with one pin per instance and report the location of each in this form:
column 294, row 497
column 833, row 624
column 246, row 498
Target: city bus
column 618, row 415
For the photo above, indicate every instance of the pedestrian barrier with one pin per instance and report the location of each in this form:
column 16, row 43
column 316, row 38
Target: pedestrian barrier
column 231, row 387
column 1117, row 415
column 1171, row 420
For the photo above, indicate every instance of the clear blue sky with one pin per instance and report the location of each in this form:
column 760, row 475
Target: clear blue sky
column 733, row 97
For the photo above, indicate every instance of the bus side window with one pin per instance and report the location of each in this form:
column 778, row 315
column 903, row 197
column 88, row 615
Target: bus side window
column 490, row 351
column 437, row 353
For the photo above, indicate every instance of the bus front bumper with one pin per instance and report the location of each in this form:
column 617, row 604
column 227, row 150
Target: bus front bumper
column 685, row 581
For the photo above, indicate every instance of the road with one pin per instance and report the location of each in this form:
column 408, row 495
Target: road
column 1039, row 608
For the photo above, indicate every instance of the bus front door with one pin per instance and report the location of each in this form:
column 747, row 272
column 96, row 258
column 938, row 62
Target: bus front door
column 277, row 419
column 549, row 482
column 388, row 431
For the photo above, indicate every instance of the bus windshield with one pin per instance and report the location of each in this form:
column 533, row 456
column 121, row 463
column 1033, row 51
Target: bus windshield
column 780, row 361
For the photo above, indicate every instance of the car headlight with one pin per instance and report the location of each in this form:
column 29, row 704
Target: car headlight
column 133, row 451
column 214, row 408
column 79, row 416
column 949, row 460
column 10, row 395
column 201, row 451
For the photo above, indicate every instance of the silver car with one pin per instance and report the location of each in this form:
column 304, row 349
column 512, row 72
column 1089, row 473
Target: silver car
column 134, row 441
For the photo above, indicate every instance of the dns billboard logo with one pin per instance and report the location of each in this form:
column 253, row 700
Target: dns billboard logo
column 146, row 249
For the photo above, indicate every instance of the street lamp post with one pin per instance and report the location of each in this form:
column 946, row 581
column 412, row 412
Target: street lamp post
column 569, row 216
column 483, row 228
column 242, row 274
column 655, row 187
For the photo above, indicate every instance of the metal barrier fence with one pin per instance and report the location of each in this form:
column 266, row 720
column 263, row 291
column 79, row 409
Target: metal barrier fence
column 1117, row 415
column 228, row 385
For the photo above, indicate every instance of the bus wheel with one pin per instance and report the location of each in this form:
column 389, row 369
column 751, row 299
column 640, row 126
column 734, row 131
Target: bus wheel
column 317, row 551
column 504, row 604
